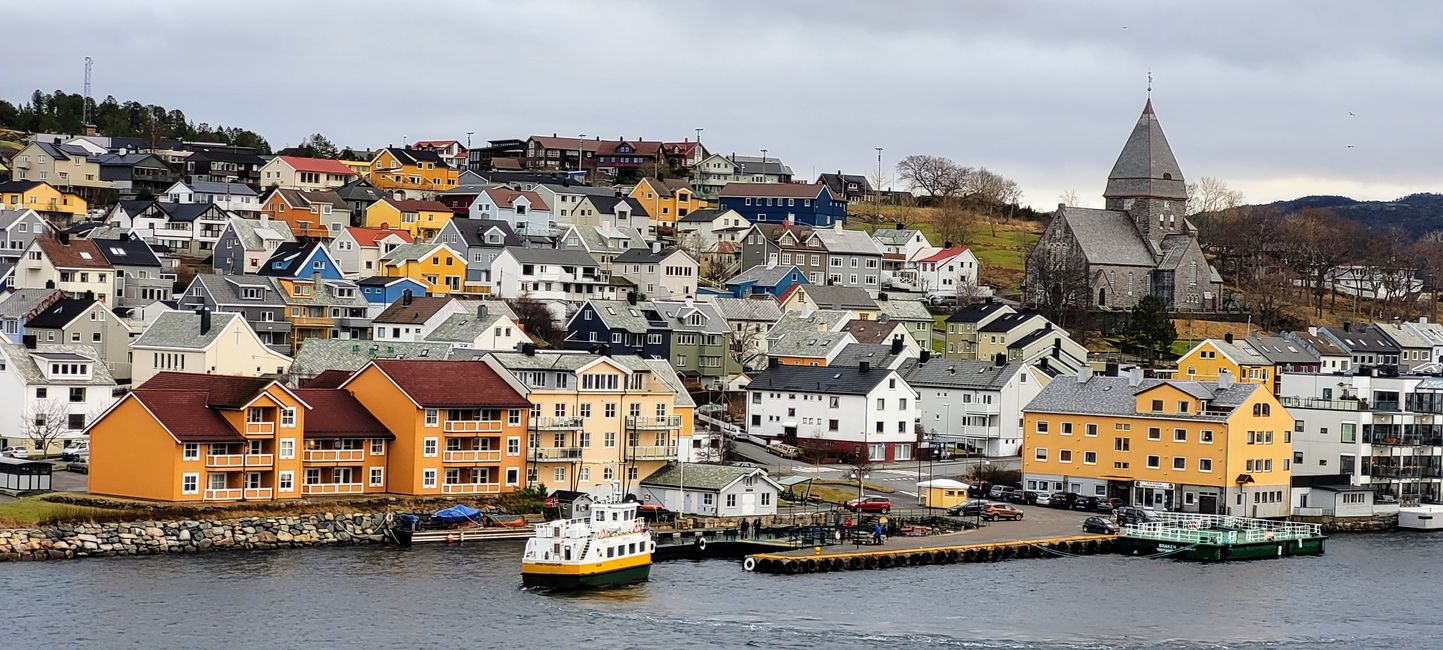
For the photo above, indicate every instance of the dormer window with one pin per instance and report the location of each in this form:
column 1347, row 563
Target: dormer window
column 251, row 293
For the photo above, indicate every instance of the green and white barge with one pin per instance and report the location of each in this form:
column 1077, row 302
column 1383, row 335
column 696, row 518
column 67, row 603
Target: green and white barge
column 1218, row 538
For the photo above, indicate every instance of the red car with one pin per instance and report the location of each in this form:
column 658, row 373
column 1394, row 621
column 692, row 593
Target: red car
column 870, row 504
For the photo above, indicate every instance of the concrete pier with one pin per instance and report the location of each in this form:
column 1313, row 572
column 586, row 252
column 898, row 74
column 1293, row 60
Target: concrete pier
column 942, row 549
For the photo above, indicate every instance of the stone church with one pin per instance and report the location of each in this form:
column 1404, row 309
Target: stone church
column 1140, row 244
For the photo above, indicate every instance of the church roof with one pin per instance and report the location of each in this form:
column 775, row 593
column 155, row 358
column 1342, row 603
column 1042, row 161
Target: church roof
column 1146, row 166
column 1174, row 248
column 1108, row 237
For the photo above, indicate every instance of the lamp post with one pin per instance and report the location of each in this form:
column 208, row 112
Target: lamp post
column 579, row 138
column 877, row 191
column 468, row 139
column 764, row 170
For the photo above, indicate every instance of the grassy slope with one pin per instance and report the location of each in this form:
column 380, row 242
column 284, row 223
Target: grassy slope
column 1003, row 255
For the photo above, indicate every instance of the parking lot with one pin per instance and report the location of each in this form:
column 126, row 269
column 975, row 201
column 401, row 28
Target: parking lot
column 60, row 481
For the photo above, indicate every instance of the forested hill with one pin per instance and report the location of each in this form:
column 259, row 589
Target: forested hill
column 1417, row 214
column 61, row 112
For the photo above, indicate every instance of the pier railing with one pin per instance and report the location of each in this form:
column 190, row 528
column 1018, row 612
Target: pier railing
column 1189, row 528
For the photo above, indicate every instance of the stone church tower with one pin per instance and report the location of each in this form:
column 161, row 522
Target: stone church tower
column 1146, row 182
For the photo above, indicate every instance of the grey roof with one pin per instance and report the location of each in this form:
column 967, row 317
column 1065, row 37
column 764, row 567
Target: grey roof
column 583, row 190
column 904, row 310
column 190, row 211
column 327, row 294
column 214, row 187
column 698, row 476
column 1146, row 166
column 1115, row 396
column 359, row 191
column 977, row 311
column 809, row 344
column 822, row 320
column 879, row 355
column 412, row 251
column 318, row 355
column 1403, row 336
column 126, row 252
column 465, row 327
column 20, row 302
column 224, row 289
column 1108, row 237
column 254, row 232
column 1280, row 350
column 646, row 256
column 749, row 309
column 1241, row 351
column 675, row 313
column 419, row 310
column 24, row 363
column 1361, row 338
column 894, row 236
column 564, row 360
column 10, row 216
column 606, row 204
column 620, row 314
column 1319, row 343
column 1173, row 248
column 1009, row 322
column 756, row 165
column 767, row 275
column 551, row 256
column 852, row 242
column 812, row 379
column 181, row 329
column 947, row 373
column 596, row 238
column 703, row 215
column 473, row 231
column 839, row 297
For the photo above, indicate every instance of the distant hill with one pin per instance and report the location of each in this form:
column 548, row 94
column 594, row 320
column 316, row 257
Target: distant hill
column 1418, row 214
column 61, row 112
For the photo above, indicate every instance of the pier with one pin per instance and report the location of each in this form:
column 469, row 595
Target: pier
column 941, row 549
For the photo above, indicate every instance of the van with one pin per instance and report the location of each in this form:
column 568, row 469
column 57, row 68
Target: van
column 1002, row 492
column 75, row 450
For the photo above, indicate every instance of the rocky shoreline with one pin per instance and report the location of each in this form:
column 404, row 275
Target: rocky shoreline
column 190, row 536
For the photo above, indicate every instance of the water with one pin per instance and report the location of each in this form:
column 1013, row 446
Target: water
column 1368, row 592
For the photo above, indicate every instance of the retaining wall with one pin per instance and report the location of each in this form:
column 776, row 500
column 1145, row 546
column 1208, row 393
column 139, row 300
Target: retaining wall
column 191, row 536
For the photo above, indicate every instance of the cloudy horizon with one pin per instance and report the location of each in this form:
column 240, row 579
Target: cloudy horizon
column 1279, row 100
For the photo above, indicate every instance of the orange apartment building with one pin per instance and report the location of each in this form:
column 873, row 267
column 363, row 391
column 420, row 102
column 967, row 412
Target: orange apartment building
column 401, row 427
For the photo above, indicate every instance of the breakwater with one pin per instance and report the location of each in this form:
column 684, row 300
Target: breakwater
column 63, row 541
column 823, row 560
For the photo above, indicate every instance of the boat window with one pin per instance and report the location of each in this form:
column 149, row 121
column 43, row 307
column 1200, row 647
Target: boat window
column 631, row 548
column 600, row 515
column 610, row 551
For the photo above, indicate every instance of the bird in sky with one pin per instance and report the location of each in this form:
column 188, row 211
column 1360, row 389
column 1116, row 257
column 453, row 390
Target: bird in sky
column 1350, row 114
column 1350, row 146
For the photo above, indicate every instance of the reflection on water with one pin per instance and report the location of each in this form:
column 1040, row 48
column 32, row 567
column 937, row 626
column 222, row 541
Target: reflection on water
column 1369, row 592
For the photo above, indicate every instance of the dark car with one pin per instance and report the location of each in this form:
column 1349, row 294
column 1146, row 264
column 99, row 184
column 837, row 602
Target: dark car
column 654, row 513
column 969, row 509
column 1129, row 515
column 1061, row 500
column 1099, row 525
column 1085, row 504
column 1106, row 506
column 1023, row 497
column 979, row 490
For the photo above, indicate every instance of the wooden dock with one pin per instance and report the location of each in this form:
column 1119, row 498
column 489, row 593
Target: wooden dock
column 920, row 553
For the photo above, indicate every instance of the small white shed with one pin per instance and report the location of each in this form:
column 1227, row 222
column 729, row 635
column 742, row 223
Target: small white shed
column 712, row 490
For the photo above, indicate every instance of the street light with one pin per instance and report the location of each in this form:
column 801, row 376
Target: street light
column 468, row 139
column 579, row 138
column 877, row 196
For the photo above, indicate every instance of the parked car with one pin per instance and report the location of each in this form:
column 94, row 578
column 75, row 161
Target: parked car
column 1087, row 504
column 15, row 452
column 1106, row 506
column 942, row 299
column 979, row 490
column 1129, row 515
column 1062, row 500
column 869, row 504
column 1099, row 525
column 79, row 467
column 75, row 451
column 1001, row 511
column 1001, row 492
column 1043, row 499
column 1023, row 497
column 968, row 509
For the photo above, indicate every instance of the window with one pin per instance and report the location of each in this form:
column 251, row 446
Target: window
column 1091, row 430
column 1064, row 455
column 288, row 417
column 1066, row 428
column 1179, row 463
column 433, row 417
column 1206, row 436
column 429, row 447
column 1040, row 454
column 1179, row 435
column 731, row 500
column 1157, row 406
column 1297, row 426
column 1204, row 464
column 286, row 448
column 285, row 481
column 513, row 446
column 1042, row 426
column 1121, row 444
column 428, row 478
column 190, row 451
column 1182, row 407
column 1089, row 457
column 378, row 447
column 1153, row 462
column 378, row 477
column 1154, row 433
column 1347, row 430
column 190, row 483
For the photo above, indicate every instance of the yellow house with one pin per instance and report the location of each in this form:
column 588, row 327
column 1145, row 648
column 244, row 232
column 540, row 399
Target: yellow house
column 598, row 421
column 1212, row 447
column 441, row 269
column 667, row 200
column 1242, row 358
column 941, row 493
column 412, row 170
column 422, row 219
column 40, row 197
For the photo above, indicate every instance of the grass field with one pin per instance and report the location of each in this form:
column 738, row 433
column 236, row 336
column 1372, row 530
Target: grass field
column 33, row 511
column 1003, row 255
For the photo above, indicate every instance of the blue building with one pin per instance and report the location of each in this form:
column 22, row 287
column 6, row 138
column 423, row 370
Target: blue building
column 809, row 204
column 381, row 290
column 762, row 279
column 629, row 326
column 301, row 260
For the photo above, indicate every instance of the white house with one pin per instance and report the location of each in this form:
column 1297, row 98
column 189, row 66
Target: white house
column 205, row 342
column 903, row 242
column 712, row 490
column 846, row 412
column 358, row 251
column 50, row 394
column 413, row 318
column 232, row 197
column 526, row 212
column 939, row 271
column 482, row 325
column 564, row 198
column 973, row 405
column 658, row 273
column 309, row 174
column 75, row 266
column 703, row 229
column 548, row 275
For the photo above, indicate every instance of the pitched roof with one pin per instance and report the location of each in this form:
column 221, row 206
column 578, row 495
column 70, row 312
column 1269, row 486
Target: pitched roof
column 665, row 187
column 60, row 313
column 811, row 379
column 78, row 254
column 880, row 356
column 1146, row 166
column 335, row 413
column 760, row 165
column 809, row 344
column 26, row 362
column 467, row 326
column 1280, row 350
column 748, row 309
column 977, row 311
column 185, row 414
column 222, row 391
column 288, row 260
column 784, row 190
column 318, row 165
column 189, row 211
column 620, row 314
column 676, row 315
column 473, row 231
column 1108, row 237
column 838, row 182
column 505, row 197
column 127, row 252
column 20, row 303
column 821, row 320
column 420, row 310
column 452, row 384
column 767, row 275
column 839, row 240
column 1319, row 343
column 871, row 331
column 894, row 236
column 1009, row 322
column 327, row 378
column 417, row 205
column 1116, row 396
column 369, row 237
column 943, row 254
column 220, row 188
column 223, row 289
column 698, row 476
column 607, row 204
column 1361, row 338
column 359, row 190
column 414, row 156
column 703, row 215
column 552, row 256
column 318, row 356
column 181, row 329
column 838, row 297
column 412, row 252
column 253, row 233
column 903, row 310
column 947, row 373
column 646, row 256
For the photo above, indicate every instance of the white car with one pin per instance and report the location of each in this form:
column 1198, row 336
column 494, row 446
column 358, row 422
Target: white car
column 15, row 452
column 1043, row 499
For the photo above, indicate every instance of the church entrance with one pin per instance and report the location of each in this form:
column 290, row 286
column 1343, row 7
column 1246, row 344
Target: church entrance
column 1102, row 297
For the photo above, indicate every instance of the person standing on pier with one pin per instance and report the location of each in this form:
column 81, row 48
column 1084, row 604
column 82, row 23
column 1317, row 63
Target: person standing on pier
column 877, row 533
column 744, row 525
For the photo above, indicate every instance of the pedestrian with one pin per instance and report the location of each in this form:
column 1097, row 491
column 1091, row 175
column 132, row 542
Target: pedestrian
column 877, row 533
column 744, row 528
column 756, row 527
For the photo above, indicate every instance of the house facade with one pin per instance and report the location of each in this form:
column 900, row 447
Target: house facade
column 808, row 204
column 850, row 413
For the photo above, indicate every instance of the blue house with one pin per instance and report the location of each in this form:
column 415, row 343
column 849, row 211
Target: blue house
column 629, row 326
column 811, row 204
column 762, row 279
column 381, row 290
column 301, row 260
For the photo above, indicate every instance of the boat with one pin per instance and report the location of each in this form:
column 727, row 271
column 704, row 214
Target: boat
column 1217, row 538
column 458, row 523
column 610, row 547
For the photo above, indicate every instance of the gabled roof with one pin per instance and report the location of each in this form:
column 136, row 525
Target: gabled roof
column 677, row 314
column 473, row 231
column 551, row 256
column 1116, row 396
column 647, row 256
column 894, row 236
column 620, row 314
column 505, row 197
column 838, row 297
column 189, row 211
column 335, row 413
column 360, row 191
column 370, row 237
column 317, row 165
column 607, row 204
column 304, row 199
column 451, row 384
column 854, row 242
column 878, row 355
column 60, row 313
column 811, row 379
column 904, row 310
column 78, row 254
column 185, row 414
column 21, row 303
column 871, row 331
column 1361, row 338
column 666, row 187
column 748, row 309
column 318, row 356
column 219, row 188
column 697, row 476
column 821, row 320
column 759, row 165
column 415, row 156
column 947, row 373
column 1108, row 237
column 977, row 311
column 767, row 275
column 222, row 391
column 127, row 252
column 413, row 252
column 291, row 258
column 1281, row 350
column 225, row 289
column 181, row 329
column 838, row 182
column 771, row 190
column 1146, row 166
column 253, row 233
column 703, row 215
column 809, row 344
column 1009, row 322
column 943, row 254
column 417, row 205
column 420, row 310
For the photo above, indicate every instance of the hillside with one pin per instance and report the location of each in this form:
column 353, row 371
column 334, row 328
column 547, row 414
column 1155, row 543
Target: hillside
column 1418, row 214
column 1002, row 250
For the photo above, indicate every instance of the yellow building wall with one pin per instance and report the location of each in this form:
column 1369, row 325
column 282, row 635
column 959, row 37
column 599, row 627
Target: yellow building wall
column 431, row 177
column 1194, row 366
column 802, row 361
column 434, row 266
column 394, row 409
column 44, row 198
column 132, row 455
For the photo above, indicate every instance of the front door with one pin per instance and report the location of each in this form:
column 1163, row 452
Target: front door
column 749, row 503
column 1207, row 503
column 789, row 435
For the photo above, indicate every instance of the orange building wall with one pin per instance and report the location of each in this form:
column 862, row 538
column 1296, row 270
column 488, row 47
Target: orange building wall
column 133, row 456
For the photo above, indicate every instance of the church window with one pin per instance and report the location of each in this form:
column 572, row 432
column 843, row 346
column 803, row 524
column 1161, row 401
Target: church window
column 1166, row 176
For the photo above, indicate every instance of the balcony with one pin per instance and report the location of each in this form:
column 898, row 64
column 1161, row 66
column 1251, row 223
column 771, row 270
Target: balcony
column 979, row 408
column 546, row 454
column 557, row 423
column 651, row 453
column 1324, row 404
column 312, row 321
column 334, row 455
column 333, row 488
column 470, row 488
column 260, row 428
column 238, row 461
column 472, row 456
column 229, row 494
column 471, row 426
column 661, row 422
column 257, row 493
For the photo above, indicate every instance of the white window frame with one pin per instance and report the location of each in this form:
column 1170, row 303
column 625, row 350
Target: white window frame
column 378, row 446
column 433, row 418
column 376, row 477
column 194, row 477
column 428, row 478
column 286, row 448
column 288, row 417
column 286, row 481
column 430, row 447
column 513, row 446
column 190, row 451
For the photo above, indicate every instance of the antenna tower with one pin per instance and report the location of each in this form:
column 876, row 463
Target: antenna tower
column 86, row 100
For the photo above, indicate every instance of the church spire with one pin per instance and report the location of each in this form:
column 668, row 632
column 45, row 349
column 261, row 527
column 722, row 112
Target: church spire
column 1146, row 167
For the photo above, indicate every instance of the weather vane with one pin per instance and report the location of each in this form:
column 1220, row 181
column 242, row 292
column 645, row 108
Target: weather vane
column 1149, row 82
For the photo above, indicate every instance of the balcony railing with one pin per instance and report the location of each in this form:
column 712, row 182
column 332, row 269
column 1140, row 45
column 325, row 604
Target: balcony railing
column 557, row 423
column 335, row 455
column 470, row 426
column 332, row 488
column 472, row 456
column 228, row 494
column 1324, row 404
column 239, row 460
column 652, row 453
column 260, row 428
column 470, row 488
column 554, row 453
column 661, row 422
column 257, row 493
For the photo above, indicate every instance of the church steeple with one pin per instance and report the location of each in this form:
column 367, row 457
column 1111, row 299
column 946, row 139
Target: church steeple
column 1146, row 182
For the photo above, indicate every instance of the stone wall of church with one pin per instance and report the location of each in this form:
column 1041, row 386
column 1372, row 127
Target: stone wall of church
column 1193, row 289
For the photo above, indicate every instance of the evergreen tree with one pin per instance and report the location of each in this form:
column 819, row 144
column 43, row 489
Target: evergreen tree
column 1150, row 327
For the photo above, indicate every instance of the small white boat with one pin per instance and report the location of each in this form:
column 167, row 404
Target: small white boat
column 611, row 547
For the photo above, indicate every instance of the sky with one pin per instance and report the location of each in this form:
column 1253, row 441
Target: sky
column 1278, row 99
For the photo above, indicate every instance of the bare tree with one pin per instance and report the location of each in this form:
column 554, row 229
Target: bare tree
column 746, row 347
column 1321, row 243
column 969, row 292
column 1068, row 198
column 936, row 175
column 1057, row 281
column 1209, row 194
column 954, row 223
column 45, row 422
column 998, row 194
column 536, row 319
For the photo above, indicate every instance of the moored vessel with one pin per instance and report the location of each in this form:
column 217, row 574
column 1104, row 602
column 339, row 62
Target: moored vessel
column 1215, row 538
column 610, row 547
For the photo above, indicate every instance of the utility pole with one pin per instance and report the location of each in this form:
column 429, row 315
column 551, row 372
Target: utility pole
column 764, row 169
column 579, row 138
column 468, row 140
column 877, row 196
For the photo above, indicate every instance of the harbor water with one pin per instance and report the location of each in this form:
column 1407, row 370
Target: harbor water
column 1368, row 592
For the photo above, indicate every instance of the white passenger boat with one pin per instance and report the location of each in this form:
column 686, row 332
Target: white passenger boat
column 611, row 547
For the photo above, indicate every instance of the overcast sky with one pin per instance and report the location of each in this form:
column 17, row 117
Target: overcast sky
column 1257, row 94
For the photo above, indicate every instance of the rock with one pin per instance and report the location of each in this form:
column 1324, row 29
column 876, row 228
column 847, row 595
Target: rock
column 183, row 535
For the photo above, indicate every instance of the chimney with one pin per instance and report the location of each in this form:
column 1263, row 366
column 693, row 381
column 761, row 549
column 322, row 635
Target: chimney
column 1042, row 363
column 1083, row 374
column 89, row 296
column 265, row 218
column 1347, row 326
column 864, row 367
column 656, row 247
column 773, row 362
column 406, row 297
column 1134, row 376
column 606, row 350
column 947, row 244
column 897, row 344
column 1110, row 369
column 480, row 312
column 926, row 356
column 528, row 349
column 204, row 320
column 999, row 359
column 316, row 277
column 631, row 297
column 1225, row 379
column 29, row 341
column 899, row 225
column 1228, row 337
column 1312, row 331
column 63, row 237
column 1422, row 320
column 882, row 296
